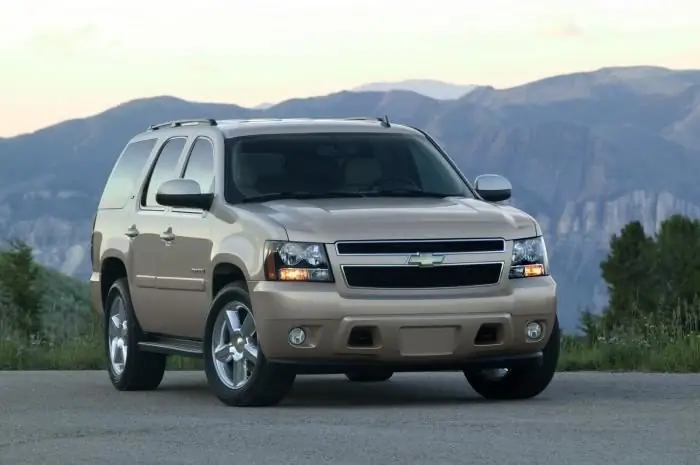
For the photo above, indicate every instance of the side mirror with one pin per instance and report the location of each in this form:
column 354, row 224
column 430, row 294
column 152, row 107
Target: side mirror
column 183, row 193
column 493, row 188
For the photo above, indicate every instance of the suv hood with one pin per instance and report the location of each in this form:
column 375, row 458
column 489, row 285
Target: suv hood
column 330, row 220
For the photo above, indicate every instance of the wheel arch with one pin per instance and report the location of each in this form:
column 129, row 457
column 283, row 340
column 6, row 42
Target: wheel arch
column 224, row 273
column 111, row 269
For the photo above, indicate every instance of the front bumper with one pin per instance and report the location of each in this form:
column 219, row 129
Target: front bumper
column 407, row 330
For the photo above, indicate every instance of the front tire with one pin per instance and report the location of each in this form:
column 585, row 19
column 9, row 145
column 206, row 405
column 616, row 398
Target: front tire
column 369, row 376
column 236, row 368
column 519, row 383
column 129, row 368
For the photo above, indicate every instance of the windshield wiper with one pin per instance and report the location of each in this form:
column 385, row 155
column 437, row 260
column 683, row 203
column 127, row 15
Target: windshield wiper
column 408, row 193
column 301, row 195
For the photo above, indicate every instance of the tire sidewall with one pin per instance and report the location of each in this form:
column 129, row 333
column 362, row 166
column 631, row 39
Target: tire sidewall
column 522, row 383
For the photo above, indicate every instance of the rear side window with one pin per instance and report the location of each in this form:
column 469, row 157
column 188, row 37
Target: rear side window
column 122, row 182
column 200, row 166
column 164, row 170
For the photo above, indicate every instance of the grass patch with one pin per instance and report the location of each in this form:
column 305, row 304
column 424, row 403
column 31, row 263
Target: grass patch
column 84, row 352
column 77, row 354
column 629, row 353
column 673, row 356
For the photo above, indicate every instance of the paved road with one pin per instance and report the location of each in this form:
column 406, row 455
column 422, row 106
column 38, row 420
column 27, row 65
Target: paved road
column 77, row 418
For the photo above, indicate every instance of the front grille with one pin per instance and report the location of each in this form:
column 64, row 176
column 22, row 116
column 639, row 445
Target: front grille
column 415, row 277
column 420, row 246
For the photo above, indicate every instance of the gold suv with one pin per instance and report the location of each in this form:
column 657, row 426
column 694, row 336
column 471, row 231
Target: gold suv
column 274, row 248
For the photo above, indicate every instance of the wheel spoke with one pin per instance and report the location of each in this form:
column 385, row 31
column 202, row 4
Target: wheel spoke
column 123, row 351
column 248, row 327
column 113, row 350
column 116, row 321
column 250, row 353
column 124, row 320
column 120, row 310
column 233, row 323
column 119, row 352
column 223, row 353
column 239, row 373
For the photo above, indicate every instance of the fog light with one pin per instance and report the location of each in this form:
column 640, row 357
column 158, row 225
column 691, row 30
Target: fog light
column 297, row 336
column 534, row 331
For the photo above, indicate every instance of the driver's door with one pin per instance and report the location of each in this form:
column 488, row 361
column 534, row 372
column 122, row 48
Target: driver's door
column 184, row 264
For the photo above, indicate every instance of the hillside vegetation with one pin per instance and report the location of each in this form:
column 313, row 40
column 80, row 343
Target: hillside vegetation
column 651, row 322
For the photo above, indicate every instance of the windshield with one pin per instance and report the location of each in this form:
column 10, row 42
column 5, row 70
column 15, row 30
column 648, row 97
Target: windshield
column 269, row 167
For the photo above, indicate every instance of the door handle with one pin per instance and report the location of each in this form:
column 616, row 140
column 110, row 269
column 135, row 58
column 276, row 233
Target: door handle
column 132, row 232
column 167, row 235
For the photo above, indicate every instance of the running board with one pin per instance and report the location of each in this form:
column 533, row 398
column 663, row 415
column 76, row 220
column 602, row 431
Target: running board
column 171, row 346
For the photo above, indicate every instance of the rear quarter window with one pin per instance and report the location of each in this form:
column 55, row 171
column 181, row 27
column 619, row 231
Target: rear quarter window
column 126, row 174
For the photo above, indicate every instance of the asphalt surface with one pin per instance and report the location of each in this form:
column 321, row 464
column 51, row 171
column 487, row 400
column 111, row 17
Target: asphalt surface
column 76, row 418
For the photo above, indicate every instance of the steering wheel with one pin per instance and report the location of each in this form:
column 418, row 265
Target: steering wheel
column 390, row 183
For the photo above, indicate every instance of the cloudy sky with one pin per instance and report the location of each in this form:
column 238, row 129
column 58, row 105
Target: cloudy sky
column 72, row 58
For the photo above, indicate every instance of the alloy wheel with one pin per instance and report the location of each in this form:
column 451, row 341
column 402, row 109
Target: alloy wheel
column 117, row 334
column 234, row 345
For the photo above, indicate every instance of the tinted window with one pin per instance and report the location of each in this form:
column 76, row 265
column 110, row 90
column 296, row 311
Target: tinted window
column 200, row 166
column 126, row 173
column 164, row 169
column 361, row 164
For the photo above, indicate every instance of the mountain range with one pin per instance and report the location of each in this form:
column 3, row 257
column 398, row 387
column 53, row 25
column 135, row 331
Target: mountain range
column 586, row 153
column 438, row 90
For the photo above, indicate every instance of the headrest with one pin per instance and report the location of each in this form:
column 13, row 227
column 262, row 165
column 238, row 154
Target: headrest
column 362, row 171
column 253, row 166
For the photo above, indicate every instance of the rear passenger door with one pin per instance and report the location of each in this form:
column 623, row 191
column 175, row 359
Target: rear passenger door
column 150, row 227
column 185, row 262
column 115, row 223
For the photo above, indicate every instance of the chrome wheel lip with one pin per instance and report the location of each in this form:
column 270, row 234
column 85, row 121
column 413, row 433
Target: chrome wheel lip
column 118, row 336
column 234, row 346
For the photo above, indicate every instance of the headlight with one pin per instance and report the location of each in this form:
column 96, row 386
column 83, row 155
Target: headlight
column 529, row 258
column 296, row 261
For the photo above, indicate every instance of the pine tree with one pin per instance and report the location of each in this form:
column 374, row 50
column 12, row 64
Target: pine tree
column 629, row 271
column 19, row 281
column 678, row 267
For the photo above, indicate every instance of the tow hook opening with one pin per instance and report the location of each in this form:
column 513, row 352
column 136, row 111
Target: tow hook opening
column 362, row 336
column 489, row 333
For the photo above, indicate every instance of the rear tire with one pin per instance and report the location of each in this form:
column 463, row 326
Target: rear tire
column 520, row 383
column 369, row 376
column 237, row 370
column 129, row 368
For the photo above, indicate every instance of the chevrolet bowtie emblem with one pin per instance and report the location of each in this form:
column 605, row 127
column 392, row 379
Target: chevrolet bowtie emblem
column 425, row 259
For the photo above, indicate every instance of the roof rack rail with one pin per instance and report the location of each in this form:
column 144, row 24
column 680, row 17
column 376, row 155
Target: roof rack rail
column 385, row 120
column 182, row 122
